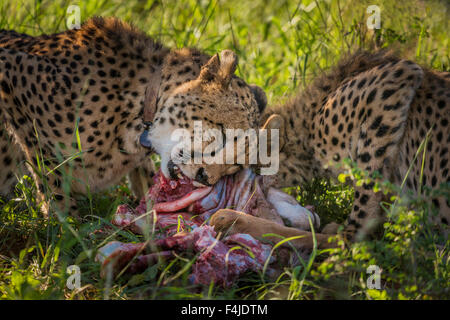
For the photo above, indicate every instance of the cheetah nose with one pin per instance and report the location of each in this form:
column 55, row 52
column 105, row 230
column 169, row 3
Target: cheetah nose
column 144, row 140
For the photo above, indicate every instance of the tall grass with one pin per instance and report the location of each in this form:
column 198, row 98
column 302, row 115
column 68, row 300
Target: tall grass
column 281, row 48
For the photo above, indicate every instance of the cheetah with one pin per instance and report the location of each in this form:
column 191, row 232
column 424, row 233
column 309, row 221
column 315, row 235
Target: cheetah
column 73, row 105
column 373, row 108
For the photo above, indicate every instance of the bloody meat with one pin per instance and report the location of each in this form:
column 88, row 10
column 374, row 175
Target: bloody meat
column 178, row 215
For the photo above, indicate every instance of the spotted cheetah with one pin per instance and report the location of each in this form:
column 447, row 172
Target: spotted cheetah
column 373, row 108
column 74, row 104
column 376, row 110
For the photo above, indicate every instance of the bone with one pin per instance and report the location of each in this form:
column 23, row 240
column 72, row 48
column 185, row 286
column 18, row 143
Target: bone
column 292, row 211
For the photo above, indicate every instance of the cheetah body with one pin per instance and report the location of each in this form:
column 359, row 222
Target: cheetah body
column 376, row 110
column 72, row 104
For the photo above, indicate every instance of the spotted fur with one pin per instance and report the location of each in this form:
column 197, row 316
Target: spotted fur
column 375, row 109
column 96, row 83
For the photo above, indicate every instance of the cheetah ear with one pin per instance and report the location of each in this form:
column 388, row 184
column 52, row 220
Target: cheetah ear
column 260, row 97
column 275, row 121
column 149, row 104
column 220, row 68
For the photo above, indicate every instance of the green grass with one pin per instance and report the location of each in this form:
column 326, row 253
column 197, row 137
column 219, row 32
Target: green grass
column 281, row 48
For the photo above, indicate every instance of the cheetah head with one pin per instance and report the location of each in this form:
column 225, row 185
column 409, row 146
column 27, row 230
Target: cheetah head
column 212, row 102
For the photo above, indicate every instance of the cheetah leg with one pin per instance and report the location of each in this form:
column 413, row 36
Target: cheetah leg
column 141, row 178
column 12, row 161
column 230, row 222
column 53, row 198
column 23, row 125
column 366, row 214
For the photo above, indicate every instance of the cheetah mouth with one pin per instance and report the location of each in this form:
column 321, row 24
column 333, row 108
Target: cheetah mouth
column 176, row 173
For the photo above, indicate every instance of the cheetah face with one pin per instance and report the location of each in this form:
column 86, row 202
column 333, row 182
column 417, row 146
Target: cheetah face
column 208, row 105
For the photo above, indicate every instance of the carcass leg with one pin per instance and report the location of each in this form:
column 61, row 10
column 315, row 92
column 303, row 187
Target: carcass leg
column 230, row 222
